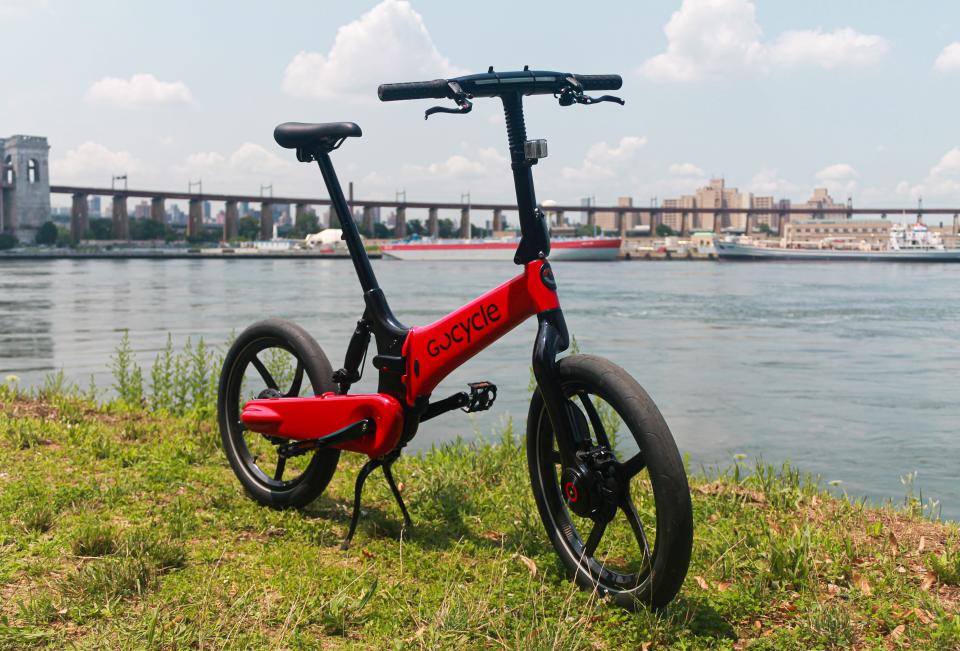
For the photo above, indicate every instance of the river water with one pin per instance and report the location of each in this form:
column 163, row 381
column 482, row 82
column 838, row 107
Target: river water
column 847, row 370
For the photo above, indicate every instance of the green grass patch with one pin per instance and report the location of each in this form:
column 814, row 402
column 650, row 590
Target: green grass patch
column 122, row 527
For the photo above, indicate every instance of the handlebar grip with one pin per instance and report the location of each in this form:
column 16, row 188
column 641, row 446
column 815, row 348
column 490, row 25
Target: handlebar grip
column 600, row 82
column 436, row 89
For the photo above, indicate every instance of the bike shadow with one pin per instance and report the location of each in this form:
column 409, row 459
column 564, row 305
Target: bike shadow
column 439, row 521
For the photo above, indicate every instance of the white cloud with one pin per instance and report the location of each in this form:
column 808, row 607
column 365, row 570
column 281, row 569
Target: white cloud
column 685, row 169
column 717, row 37
column 840, row 180
column 389, row 43
column 837, row 172
column 769, row 182
column 488, row 162
column 941, row 182
column 840, row 48
column 248, row 161
column 601, row 159
column 140, row 90
column 949, row 59
column 92, row 163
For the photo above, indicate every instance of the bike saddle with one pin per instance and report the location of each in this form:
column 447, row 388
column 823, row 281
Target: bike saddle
column 309, row 139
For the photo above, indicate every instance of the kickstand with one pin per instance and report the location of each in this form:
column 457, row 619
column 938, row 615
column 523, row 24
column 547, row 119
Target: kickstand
column 368, row 467
column 396, row 493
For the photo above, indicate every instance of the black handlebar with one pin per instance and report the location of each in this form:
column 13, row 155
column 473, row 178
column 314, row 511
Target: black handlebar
column 493, row 84
column 600, row 82
column 436, row 89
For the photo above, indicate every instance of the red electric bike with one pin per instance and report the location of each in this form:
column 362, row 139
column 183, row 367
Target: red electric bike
column 609, row 483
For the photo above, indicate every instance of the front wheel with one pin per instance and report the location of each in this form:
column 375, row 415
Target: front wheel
column 625, row 528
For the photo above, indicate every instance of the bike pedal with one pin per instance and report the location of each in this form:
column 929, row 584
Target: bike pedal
column 482, row 395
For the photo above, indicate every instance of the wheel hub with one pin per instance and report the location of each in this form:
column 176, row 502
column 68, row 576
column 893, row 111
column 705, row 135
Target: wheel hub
column 591, row 488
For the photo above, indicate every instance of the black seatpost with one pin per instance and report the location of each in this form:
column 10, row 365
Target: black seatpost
column 351, row 234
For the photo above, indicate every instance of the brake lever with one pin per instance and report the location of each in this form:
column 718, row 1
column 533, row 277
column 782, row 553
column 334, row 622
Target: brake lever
column 586, row 99
column 464, row 105
column 574, row 95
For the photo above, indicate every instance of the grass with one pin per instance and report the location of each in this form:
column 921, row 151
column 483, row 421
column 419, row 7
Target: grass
column 122, row 527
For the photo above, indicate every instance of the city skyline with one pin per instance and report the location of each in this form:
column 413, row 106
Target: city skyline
column 781, row 98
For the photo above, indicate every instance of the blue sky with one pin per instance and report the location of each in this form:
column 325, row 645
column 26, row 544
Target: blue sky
column 777, row 97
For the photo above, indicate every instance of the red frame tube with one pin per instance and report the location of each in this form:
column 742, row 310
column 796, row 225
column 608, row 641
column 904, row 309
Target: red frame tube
column 434, row 351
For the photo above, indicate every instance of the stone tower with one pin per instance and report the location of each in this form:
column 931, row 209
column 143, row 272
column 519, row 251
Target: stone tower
column 25, row 190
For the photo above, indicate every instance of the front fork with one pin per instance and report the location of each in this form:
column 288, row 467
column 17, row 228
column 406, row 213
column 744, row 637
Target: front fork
column 552, row 339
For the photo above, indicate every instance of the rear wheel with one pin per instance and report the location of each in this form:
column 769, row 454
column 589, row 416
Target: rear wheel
column 273, row 359
column 625, row 527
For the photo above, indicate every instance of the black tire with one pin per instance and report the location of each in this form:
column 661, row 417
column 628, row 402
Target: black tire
column 316, row 470
column 659, row 574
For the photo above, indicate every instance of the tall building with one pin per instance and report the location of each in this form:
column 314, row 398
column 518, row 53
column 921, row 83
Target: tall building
column 176, row 215
column 142, row 210
column 93, row 206
column 717, row 195
column 207, row 210
column 821, row 199
column 24, row 184
column 680, row 220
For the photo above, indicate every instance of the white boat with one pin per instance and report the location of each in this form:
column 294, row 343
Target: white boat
column 914, row 243
column 584, row 249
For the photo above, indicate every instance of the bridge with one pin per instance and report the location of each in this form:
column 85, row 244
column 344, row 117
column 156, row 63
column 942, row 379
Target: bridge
column 654, row 214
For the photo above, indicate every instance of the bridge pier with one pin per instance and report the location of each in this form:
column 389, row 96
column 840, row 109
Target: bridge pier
column 746, row 228
column 266, row 220
column 158, row 210
column 656, row 218
column 367, row 224
column 400, row 225
column 231, row 221
column 78, row 218
column 497, row 219
column 194, row 218
column 465, row 223
column 299, row 212
column 559, row 217
column 433, row 222
column 121, row 221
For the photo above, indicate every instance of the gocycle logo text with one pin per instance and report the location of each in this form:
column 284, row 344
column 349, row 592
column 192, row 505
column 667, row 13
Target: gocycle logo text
column 462, row 331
